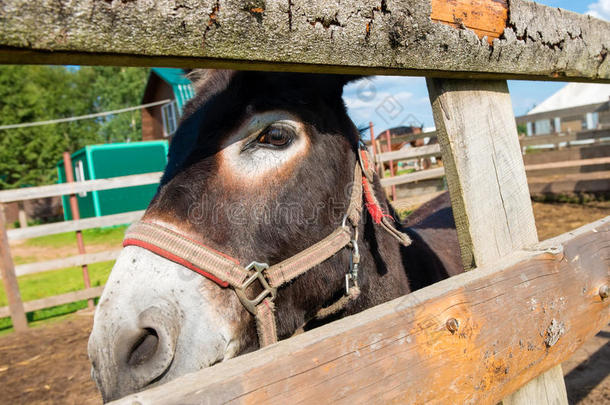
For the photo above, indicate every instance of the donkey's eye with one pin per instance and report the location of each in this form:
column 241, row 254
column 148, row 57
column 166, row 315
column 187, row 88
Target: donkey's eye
column 275, row 136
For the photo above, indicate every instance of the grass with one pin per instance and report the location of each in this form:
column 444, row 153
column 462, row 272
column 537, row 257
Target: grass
column 403, row 214
column 399, row 172
column 50, row 283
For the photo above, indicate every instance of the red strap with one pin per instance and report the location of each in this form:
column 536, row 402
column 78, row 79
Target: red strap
column 176, row 259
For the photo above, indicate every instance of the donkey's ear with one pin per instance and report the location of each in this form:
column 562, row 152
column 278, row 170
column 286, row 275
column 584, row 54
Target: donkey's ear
column 342, row 80
column 334, row 83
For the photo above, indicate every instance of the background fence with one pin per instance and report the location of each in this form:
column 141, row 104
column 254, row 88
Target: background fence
column 11, row 271
column 555, row 164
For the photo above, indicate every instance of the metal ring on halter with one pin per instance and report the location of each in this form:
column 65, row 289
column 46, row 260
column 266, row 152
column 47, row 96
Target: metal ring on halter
column 344, row 220
column 368, row 174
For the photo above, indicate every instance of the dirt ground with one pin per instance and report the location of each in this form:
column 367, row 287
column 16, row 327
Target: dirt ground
column 42, row 253
column 49, row 365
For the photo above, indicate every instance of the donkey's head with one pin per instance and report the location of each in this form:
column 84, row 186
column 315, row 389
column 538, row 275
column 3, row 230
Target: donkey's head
column 260, row 169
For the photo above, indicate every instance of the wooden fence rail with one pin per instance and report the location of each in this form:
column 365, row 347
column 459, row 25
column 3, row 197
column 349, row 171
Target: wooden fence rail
column 409, row 153
column 10, row 271
column 554, row 139
column 322, row 36
column 72, row 261
column 439, row 172
column 75, row 225
column 546, row 298
column 552, row 179
column 55, row 300
column 55, row 190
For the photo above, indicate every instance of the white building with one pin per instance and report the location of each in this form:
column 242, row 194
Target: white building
column 575, row 107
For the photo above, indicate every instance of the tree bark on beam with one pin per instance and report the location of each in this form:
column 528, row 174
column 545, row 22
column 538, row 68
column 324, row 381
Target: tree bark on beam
column 461, row 39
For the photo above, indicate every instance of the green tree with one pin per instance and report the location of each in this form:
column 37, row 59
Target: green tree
column 114, row 88
column 34, row 93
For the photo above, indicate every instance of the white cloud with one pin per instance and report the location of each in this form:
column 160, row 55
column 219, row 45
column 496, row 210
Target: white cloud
column 356, row 103
column 600, row 9
column 388, row 101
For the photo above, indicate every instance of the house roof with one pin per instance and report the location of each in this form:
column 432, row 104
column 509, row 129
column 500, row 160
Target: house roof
column 574, row 95
column 181, row 85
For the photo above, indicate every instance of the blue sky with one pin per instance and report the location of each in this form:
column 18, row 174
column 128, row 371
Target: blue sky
column 391, row 101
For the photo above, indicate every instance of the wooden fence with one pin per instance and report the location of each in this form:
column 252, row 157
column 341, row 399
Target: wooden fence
column 555, row 163
column 17, row 308
column 524, row 309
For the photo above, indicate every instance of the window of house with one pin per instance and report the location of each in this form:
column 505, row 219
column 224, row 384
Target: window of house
column 592, row 120
column 169, row 113
column 542, row 127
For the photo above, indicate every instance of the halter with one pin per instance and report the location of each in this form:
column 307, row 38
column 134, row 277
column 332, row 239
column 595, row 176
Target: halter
column 227, row 271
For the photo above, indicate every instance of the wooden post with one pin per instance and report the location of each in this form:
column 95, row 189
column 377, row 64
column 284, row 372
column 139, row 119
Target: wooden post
column 9, row 279
column 488, row 187
column 23, row 217
column 391, row 162
column 373, row 145
column 75, row 216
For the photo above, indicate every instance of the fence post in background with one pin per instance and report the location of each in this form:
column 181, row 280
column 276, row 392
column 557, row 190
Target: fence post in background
column 392, row 172
column 488, row 188
column 373, row 146
column 76, row 216
column 23, row 216
column 9, row 279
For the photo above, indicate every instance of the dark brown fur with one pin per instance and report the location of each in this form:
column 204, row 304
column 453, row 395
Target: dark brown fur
column 194, row 197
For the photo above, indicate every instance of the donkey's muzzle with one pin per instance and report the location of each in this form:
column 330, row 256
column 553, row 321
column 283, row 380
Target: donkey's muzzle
column 136, row 351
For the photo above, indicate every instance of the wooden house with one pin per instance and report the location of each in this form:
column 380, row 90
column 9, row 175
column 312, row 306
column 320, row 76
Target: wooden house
column 161, row 121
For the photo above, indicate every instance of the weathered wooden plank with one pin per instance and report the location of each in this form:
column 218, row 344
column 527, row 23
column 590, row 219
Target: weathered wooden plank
column 72, row 261
column 530, row 394
column 568, row 163
column 484, row 168
column 55, row 300
column 594, row 134
column 558, row 138
column 70, row 226
column 573, row 153
column 415, row 176
column 487, row 183
column 485, row 18
column 408, row 137
column 570, row 183
column 410, row 153
column 397, row 37
column 9, row 279
column 516, row 319
column 30, row 193
column 554, row 184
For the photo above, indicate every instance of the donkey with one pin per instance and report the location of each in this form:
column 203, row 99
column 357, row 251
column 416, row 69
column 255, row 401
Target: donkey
column 262, row 167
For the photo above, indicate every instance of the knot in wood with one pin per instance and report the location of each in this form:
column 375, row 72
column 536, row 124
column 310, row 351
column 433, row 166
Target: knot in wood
column 452, row 325
column 604, row 291
column 554, row 332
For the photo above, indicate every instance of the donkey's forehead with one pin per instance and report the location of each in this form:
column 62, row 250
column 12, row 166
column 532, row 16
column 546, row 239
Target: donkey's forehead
column 227, row 99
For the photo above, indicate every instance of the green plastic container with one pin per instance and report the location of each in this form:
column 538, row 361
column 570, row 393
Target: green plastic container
column 114, row 160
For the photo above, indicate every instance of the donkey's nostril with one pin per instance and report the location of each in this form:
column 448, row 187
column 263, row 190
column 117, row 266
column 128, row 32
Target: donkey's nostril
column 144, row 348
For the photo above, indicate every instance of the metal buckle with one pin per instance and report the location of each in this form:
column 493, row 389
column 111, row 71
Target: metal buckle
column 351, row 277
column 250, row 305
